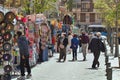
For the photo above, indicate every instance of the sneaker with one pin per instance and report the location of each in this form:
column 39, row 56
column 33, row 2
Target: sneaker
column 28, row 76
column 21, row 78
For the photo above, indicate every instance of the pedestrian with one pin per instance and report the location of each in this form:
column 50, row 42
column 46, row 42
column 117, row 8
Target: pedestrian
column 62, row 47
column 69, row 43
column 40, row 54
column 74, row 46
column 84, row 42
column 53, row 44
column 58, row 42
column 95, row 46
column 24, row 56
column 80, row 45
column 91, row 35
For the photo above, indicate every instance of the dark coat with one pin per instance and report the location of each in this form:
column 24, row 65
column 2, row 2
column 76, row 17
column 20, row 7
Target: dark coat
column 84, row 39
column 23, row 46
column 65, row 42
column 96, row 45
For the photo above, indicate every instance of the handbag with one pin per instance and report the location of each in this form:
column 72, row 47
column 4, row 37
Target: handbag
column 62, row 46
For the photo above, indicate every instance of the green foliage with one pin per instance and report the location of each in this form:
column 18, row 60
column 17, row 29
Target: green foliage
column 70, row 5
column 108, row 9
column 36, row 6
column 26, row 6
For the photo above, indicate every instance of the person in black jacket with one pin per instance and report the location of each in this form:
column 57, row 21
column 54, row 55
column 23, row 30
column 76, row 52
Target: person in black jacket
column 94, row 46
column 24, row 55
column 62, row 47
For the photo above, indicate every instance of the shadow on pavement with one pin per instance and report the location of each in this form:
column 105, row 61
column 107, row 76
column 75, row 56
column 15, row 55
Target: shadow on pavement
column 93, row 68
column 60, row 61
column 81, row 60
column 72, row 60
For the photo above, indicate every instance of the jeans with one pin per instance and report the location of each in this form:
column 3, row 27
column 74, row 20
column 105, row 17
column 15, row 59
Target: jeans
column 74, row 51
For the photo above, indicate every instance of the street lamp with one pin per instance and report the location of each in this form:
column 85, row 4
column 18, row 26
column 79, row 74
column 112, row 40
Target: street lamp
column 116, row 25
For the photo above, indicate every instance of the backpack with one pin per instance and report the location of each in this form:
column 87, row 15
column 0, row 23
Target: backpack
column 102, row 47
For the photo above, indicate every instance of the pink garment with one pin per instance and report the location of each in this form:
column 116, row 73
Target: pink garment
column 27, row 32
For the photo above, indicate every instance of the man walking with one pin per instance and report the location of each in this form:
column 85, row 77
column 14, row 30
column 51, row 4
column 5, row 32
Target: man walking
column 95, row 46
column 84, row 41
column 24, row 56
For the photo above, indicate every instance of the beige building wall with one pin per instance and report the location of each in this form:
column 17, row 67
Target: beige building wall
column 89, row 10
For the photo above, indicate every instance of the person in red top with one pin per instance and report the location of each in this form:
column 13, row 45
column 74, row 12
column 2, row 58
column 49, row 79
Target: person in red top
column 53, row 40
column 53, row 44
column 84, row 42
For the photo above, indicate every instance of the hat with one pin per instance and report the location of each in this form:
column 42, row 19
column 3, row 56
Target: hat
column 7, row 68
column 7, row 46
column 7, row 57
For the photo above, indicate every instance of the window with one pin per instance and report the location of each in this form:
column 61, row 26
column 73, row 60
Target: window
column 78, row 5
column 99, row 16
column 85, row 7
column 82, row 17
column 92, row 17
column 74, row 5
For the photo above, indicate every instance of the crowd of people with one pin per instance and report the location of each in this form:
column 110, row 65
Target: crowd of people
column 66, row 44
column 86, row 42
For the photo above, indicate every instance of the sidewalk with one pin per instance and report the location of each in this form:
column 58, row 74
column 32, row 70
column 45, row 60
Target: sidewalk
column 114, row 63
column 69, row 70
column 115, row 71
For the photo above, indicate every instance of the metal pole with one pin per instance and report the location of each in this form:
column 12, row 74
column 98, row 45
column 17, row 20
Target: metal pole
column 116, row 39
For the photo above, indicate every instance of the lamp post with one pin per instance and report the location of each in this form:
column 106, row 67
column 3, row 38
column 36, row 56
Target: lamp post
column 116, row 25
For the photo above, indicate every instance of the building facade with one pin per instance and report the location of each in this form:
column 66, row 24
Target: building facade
column 84, row 12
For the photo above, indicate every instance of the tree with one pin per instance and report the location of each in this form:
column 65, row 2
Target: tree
column 70, row 5
column 108, row 10
column 36, row 6
column 111, row 17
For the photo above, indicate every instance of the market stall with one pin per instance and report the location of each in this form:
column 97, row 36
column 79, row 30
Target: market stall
column 6, row 34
